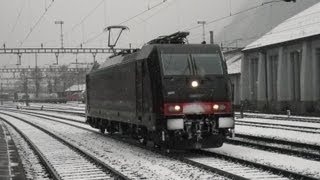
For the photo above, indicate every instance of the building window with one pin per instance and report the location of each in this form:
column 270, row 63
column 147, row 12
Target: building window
column 274, row 59
column 295, row 58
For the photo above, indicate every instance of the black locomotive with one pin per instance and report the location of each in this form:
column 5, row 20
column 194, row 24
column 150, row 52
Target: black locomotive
column 175, row 94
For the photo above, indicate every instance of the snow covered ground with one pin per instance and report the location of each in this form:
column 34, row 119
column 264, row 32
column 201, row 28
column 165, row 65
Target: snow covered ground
column 295, row 136
column 31, row 164
column 279, row 116
column 282, row 161
column 58, row 114
column 282, row 122
column 130, row 160
column 291, row 163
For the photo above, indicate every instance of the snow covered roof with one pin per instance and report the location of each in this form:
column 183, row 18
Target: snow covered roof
column 81, row 87
column 234, row 63
column 304, row 24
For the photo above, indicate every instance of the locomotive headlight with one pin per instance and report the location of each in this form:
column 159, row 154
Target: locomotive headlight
column 194, row 84
column 174, row 108
column 215, row 107
column 177, row 108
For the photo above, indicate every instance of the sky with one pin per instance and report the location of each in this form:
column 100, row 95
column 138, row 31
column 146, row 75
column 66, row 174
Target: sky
column 30, row 23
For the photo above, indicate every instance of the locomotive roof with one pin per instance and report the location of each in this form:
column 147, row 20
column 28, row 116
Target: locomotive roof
column 146, row 50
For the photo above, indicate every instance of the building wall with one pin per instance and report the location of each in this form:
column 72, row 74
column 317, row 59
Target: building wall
column 283, row 77
column 235, row 81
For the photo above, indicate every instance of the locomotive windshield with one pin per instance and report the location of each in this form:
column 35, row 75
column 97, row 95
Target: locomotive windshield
column 176, row 64
column 188, row 64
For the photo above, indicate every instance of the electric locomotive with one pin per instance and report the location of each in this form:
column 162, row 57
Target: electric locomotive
column 174, row 94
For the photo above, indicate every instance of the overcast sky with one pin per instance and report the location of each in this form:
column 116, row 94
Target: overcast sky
column 21, row 26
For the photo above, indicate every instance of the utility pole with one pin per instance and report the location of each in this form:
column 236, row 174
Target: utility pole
column 77, row 72
column 36, row 75
column 61, row 32
column 203, row 30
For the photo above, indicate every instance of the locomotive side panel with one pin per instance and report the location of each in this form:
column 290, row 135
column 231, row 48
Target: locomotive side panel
column 122, row 93
column 112, row 93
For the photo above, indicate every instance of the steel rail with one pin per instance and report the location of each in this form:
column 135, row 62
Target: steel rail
column 279, row 141
column 50, row 170
column 261, row 145
column 103, row 165
column 274, row 170
column 281, row 125
column 182, row 159
column 275, row 127
column 243, row 143
column 280, row 117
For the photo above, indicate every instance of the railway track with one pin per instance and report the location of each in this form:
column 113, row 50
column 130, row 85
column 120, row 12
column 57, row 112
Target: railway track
column 305, row 129
column 249, row 164
column 233, row 168
column 31, row 164
column 183, row 168
column 62, row 159
column 238, row 122
column 307, row 151
column 10, row 162
column 273, row 117
column 281, row 117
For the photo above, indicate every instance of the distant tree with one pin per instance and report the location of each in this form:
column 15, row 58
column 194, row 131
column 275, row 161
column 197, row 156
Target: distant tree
column 36, row 77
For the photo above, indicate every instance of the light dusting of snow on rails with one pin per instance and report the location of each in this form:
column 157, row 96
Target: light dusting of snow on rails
column 130, row 160
column 274, row 159
column 291, row 163
column 294, row 136
column 30, row 162
column 279, row 116
column 66, row 162
column 234, row 168
column 268, row 121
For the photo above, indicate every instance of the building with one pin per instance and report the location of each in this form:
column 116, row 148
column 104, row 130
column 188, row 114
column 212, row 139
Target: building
column 233, row 60
column 281, row 70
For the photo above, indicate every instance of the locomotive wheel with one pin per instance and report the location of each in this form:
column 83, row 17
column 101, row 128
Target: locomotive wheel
column 110, row 130
column 143, row 141
column 102, row 129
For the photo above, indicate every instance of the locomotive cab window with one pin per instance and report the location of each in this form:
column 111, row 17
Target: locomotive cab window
column 190, row 64
column 176, row 64
column 207, row 64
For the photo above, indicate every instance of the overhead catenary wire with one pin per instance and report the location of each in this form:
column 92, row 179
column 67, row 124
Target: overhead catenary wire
column 127, row 20
column 160, row 10
column 149, row 8
column 37, row 22
column 17, row 19
column 88, row 15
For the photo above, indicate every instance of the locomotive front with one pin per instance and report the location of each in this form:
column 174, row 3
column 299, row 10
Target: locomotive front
column 196, row 90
